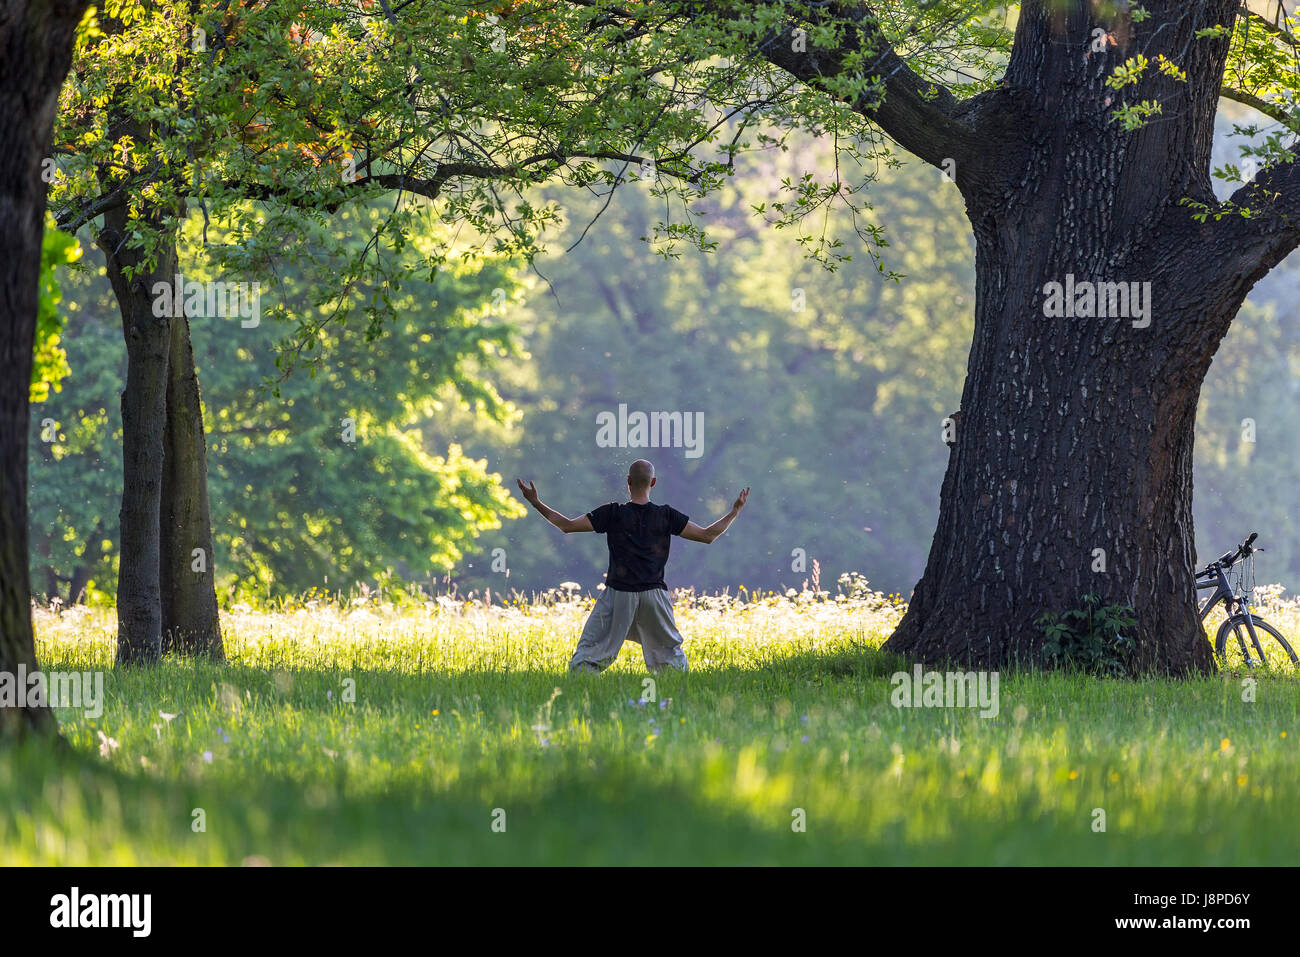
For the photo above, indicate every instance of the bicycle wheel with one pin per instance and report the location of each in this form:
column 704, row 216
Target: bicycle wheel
column 1235, row 627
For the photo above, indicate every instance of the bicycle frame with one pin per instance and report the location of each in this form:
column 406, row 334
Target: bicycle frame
column 1223, row 593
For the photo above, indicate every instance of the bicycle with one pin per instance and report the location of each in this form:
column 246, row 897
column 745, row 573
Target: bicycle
column 1241, row 622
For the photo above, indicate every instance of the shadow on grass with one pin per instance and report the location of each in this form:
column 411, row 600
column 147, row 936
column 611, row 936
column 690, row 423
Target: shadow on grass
column 87, row 813
column 112, row 815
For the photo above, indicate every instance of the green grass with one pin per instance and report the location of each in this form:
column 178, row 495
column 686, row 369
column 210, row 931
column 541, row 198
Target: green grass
column 461, row 709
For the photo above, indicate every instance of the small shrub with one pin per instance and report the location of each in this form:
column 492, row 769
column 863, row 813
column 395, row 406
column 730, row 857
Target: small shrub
column 1089, row 639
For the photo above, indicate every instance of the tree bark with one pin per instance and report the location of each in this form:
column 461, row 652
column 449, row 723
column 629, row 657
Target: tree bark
column 190, row 621
column 1071, row 474
column 1071, row 469
column 144, row 426
column 36, row 42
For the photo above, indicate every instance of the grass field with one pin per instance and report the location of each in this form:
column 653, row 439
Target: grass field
column 464, row 721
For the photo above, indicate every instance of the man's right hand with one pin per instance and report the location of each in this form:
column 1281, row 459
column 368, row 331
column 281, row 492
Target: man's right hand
column 741, row 499
column 530, row 491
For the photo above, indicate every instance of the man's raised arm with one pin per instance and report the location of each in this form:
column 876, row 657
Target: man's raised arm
column 695, row 533
column 580, row 524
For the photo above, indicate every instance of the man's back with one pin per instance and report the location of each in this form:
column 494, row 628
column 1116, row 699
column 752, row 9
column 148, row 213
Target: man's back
column 635, row 603
column 639, row 537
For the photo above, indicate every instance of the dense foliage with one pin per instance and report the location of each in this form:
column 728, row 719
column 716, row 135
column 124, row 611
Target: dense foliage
column 319, row 479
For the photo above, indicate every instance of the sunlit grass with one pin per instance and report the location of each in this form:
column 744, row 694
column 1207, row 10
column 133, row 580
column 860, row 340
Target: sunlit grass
column 373, row 734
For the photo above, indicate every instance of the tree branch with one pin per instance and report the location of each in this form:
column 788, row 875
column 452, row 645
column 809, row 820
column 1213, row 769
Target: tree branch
column 1244, row 248
column 1268, row 26
column 432, row 186
column 923, row 117
column 1274, row 111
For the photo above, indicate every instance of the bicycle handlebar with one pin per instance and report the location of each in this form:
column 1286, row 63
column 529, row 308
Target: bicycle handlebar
column 1228, row 559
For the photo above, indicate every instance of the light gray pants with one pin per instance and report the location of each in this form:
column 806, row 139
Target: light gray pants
column 645, row 617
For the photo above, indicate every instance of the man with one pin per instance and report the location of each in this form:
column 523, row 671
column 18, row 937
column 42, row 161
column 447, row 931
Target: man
column 635, row 602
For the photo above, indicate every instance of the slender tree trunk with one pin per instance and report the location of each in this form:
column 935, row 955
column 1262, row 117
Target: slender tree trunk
column 190, row 622
column 166, row 593
column 35, row 52
column 144, row 426
column 77, row 584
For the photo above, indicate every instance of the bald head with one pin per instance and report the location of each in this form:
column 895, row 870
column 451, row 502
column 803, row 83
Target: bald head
column 640, row 476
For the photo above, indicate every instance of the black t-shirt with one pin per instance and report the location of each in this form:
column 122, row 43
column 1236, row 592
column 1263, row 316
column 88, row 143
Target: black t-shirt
column 638, row 537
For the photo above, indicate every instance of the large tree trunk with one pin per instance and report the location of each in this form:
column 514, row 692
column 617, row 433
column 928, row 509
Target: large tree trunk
column 1070, row 474
column 35, row 53
column 190, row 622
column 1071, row 469
column 144, row 426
